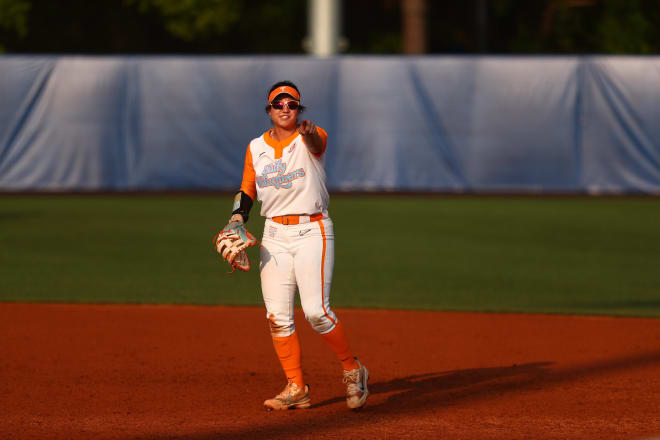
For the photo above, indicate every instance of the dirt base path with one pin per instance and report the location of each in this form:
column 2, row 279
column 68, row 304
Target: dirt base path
column 162, row 372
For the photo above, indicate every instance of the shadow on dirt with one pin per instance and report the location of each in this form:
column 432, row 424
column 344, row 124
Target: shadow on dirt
column 427, row 392
column 415, row 390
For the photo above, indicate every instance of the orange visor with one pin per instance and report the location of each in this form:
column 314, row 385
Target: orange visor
column 284, row 89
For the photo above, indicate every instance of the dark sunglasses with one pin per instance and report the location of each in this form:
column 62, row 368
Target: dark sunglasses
column 291, row 105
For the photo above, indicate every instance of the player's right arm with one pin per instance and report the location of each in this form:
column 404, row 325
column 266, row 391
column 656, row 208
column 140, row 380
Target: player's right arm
column 315, row 138
column 244, row 198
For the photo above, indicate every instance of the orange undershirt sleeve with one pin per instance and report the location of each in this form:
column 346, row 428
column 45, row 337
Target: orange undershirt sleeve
column 248, row 185
column 324, row 137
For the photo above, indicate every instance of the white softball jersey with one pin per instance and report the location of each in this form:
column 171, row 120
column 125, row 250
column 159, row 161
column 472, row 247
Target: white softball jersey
column 285, row 176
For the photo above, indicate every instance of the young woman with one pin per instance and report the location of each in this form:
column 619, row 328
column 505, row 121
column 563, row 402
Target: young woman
column 284, row 169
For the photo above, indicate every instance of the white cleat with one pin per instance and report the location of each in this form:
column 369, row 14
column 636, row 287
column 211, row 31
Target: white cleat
column 292, row 397
column 356, row 386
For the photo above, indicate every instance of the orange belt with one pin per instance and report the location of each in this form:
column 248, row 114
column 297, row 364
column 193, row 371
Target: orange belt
column 296, row 219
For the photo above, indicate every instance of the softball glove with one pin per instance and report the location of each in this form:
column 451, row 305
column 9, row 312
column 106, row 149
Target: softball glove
column 231, row 243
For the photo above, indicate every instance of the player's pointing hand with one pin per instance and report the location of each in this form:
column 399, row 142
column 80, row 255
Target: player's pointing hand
column 310, row 136
column 306, row 128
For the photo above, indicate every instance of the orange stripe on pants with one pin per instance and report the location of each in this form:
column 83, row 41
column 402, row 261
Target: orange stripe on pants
column 336, row 338
column 323, row 273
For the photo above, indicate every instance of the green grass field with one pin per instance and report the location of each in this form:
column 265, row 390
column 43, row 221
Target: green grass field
column 559, row 255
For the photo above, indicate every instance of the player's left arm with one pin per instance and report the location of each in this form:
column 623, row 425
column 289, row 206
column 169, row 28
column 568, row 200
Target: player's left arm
column 248, row 192
column 314, row 137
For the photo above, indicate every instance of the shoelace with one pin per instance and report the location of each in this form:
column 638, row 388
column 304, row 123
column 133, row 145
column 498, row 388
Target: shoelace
column 351, row 379
column 290, row 390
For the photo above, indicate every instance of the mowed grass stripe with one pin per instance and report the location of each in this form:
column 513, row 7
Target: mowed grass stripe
column 558, row 255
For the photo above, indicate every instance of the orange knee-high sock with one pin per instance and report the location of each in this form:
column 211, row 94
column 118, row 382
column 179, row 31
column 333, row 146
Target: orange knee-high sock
column 336, row 339
column 288, row 351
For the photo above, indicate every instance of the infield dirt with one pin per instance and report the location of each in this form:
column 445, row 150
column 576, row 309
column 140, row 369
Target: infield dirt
column 202, row 373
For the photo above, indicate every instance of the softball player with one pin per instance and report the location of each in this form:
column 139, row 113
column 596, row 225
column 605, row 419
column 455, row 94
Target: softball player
column 285, row 170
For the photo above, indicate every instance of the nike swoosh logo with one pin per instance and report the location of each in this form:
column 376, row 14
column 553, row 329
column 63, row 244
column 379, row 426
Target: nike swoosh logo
column 301, row 233
column 262, row 154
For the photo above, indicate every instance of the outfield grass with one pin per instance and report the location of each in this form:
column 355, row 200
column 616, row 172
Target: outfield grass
column 558, row 255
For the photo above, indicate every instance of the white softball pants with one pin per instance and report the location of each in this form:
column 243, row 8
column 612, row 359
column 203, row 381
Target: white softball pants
column 297, row 256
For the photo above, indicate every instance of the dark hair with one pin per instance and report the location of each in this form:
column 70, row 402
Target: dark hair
column 284, row 84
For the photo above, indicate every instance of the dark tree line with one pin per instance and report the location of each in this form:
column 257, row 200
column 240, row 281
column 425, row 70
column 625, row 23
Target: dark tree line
column 370, row 26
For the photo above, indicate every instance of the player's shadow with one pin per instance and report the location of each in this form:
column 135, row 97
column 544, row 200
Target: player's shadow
column 418, row 393
column 410, row 394
column 440, row 388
